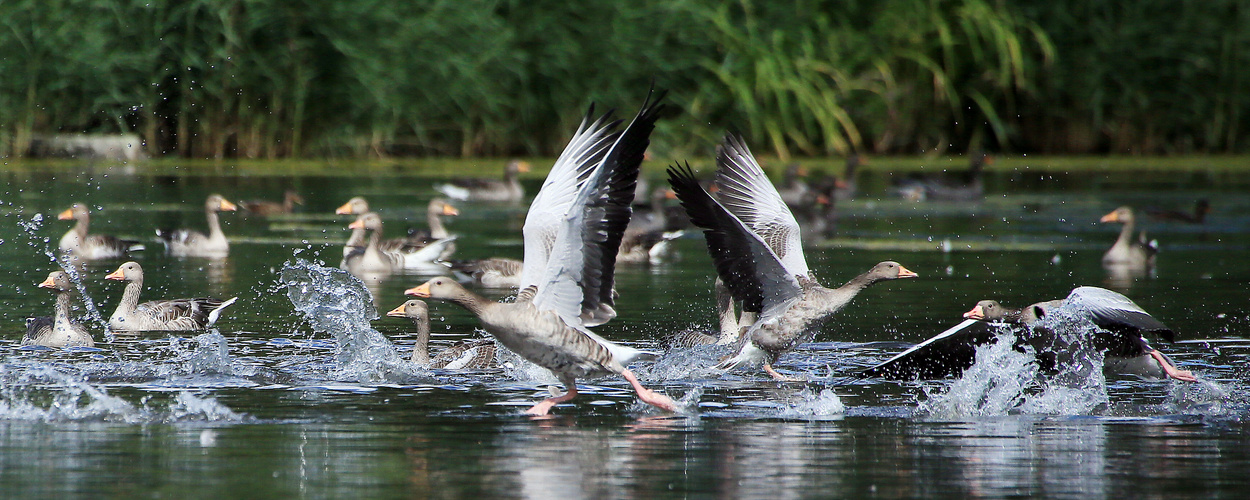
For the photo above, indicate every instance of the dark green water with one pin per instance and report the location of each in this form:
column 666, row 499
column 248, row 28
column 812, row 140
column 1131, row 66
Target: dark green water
column 262, row 407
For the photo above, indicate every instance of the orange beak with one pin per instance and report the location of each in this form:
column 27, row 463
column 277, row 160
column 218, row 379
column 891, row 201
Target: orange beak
column 1111, row 217
column 398, row 311
column 450, row 210
column 48, row 283
column 116, row 275
column 66, row 215
column 523, row 166
column 839, row 183
column 422, row 291
column 345, row 209
column 227, row 206
column 357, row 224
column 802, row 171
column 669, row 194
column 903, row 272
column 975, row 313
column 822, row 199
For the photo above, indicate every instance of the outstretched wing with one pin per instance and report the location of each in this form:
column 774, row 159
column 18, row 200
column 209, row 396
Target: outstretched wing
column 748, row 194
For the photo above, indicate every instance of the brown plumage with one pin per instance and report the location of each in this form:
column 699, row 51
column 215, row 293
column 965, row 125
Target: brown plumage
column 265, row 207
column 190, row 243
column 469, row 355
column 164, row 315
column 65, row 331
column 78, row 243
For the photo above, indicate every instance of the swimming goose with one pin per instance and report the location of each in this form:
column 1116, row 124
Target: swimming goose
column 793, row 187
column 469, row 355
column 755, row 243
column 190, row 243
column 78, row 243
column 356, row 241
column 265, row 207
column 372, row 258
column 496, row 272
column 1202, row 207
column 846, row 187
column 65, row 332
column 164, row 315
column 726, row 335
column 507, row 189
column 434, row 213
column 1120, row 323
column 572, row 233
column 965, row 186
column 1128, row 250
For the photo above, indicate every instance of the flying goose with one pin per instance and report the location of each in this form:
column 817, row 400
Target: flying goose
column 756, row 245
column 507, row 189
column 78, row 243
column 572, row 233
column 165, row 315
column 65, row 331
column 469, row 355
column 190, row 243
column 1120, row 323
column 1128, row 250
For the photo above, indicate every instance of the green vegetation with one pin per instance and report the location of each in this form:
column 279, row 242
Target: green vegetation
column 466, row 78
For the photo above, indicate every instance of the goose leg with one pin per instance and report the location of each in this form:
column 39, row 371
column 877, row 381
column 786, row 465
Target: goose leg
column 649, row 396
column 1172, row 371
column 542, row 408
column 778, row 376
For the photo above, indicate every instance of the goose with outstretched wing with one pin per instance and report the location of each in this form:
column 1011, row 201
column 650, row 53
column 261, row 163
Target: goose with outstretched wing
column 572, row 233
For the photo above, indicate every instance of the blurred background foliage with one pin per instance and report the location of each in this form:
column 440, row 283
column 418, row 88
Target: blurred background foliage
column 372, row 78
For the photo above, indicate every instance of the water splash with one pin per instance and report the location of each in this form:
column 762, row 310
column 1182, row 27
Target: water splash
column 337, row 303
column 814, row 406
column 45, row 394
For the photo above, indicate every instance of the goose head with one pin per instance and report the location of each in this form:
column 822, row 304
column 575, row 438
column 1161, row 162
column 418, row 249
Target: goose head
column 888, row 270
column 75, row 211
column 354, row 206
column 218, row 203
column 58, row 281
column 438, row 288
column 371, row 221
column 516, row 166
column 413, row 309
column 1123, row 215
column 130, row 271
column 987, row 310
column 440, row 206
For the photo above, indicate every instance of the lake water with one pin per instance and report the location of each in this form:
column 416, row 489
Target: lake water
column 268, row 406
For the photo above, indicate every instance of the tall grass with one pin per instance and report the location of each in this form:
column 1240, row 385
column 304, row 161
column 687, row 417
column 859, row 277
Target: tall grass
column 372, row 78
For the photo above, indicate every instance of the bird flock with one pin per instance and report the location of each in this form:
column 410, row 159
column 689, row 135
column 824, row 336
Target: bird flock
column 582, row 223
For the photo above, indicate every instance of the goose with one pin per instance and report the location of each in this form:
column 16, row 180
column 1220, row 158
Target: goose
column 190, row 243
column 265, row 207
column 470, row 355
column 434, row 213
column 78, row 243
column 1120, row 323
column 507, row 189
column 846, row 187
column 965, row 186
column 727, row 334
column 495, row 272
column 64, row 331
column 572, row 233
column 1128, row 250
column 755, row 243
column 164, row 315
column 793, row 188
column 372, row 258
column 434, row 217
column 645, row 247
column 1202, row 207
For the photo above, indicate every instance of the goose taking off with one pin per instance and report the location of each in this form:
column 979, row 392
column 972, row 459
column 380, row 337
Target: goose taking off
column 506, row 190
column 572, row 233
column 64, row 331
column 79, row 244
column 469, row 355
column 191, row 243
column 755, row 243
column 159, row 315
column 1120, row 323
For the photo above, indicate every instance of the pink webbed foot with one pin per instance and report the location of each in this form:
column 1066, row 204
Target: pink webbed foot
column 778, row 376
column 649, row 396
column 1172, row 371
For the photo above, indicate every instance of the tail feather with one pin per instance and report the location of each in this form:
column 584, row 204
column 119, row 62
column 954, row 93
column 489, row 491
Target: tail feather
column 749, row 355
